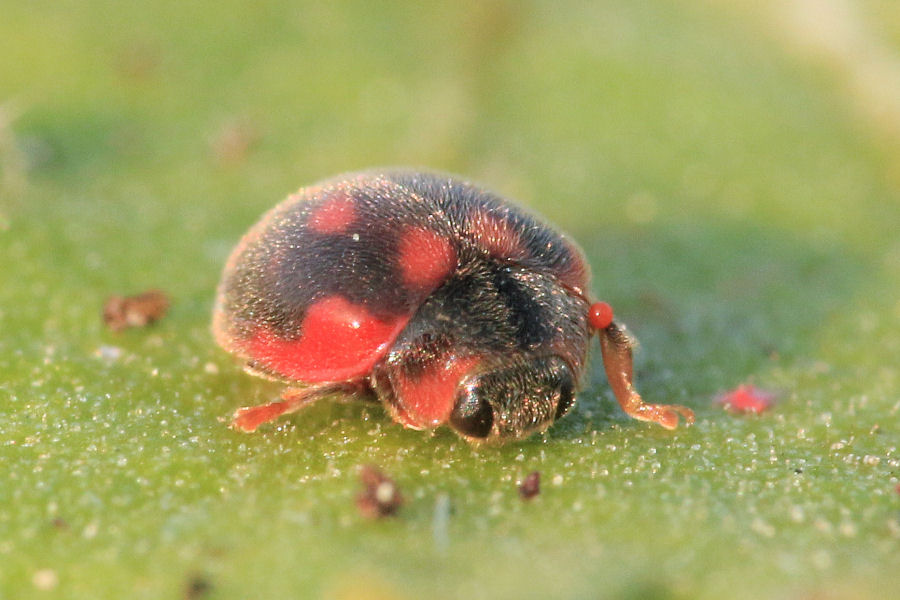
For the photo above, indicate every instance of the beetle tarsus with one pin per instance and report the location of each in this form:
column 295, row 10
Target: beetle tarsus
column 665, row 415
column 616, row 347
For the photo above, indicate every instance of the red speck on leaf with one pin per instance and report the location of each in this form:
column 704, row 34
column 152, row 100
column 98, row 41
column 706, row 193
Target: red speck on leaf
column 746, row 399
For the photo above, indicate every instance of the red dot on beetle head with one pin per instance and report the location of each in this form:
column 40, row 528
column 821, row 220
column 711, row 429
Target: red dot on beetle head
column 600, row 315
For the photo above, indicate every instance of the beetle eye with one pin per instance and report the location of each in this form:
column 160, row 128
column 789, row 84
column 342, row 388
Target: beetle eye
column 566, row 398
column 472, row 416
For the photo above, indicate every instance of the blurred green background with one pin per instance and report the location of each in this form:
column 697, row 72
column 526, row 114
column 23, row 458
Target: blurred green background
column 732, row 170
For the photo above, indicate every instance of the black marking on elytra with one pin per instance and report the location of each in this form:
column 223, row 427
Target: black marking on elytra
column 526, row 312
column 290, row 265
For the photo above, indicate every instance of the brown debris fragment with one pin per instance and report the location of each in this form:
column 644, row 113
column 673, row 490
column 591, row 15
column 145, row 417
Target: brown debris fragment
column 531, row 486
column 140, row 310
column 380, row 496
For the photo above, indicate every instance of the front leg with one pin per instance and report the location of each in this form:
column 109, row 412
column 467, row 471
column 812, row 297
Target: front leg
column 616, row 347
column 248, row 418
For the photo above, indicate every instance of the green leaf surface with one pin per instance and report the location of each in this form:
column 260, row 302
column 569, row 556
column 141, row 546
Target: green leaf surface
column 731, row 169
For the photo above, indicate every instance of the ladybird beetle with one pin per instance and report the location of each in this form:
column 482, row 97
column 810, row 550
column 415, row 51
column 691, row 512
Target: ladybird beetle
column 447, row 302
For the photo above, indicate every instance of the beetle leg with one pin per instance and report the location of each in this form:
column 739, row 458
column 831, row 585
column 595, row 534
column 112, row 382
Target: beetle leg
column 248, row 418
column 616, row 347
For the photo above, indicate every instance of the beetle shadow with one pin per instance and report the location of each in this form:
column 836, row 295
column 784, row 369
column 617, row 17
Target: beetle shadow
column 712, row 306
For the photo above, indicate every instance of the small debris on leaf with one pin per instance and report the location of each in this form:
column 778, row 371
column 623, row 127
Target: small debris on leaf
column 531, row 486
column 196, row 587
column 380, row 496
column 140, row 310
column 746, row 399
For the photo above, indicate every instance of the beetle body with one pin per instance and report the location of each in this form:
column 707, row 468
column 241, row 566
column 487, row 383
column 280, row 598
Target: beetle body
column 448, row 302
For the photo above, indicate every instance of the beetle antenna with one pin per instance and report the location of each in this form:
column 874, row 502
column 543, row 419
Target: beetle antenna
column 616, row 346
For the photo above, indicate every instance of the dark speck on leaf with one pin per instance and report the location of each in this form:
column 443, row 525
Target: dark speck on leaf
column 380, row 496
column 197, row 587
column 531, row 486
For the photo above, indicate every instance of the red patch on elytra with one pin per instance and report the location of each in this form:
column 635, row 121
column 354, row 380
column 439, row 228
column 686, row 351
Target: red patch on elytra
column 338, row 341
column 427, row 400
column 575, row 273
column 425, row 258
column 746, row 399
column 497, row 236
column 334, row 216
